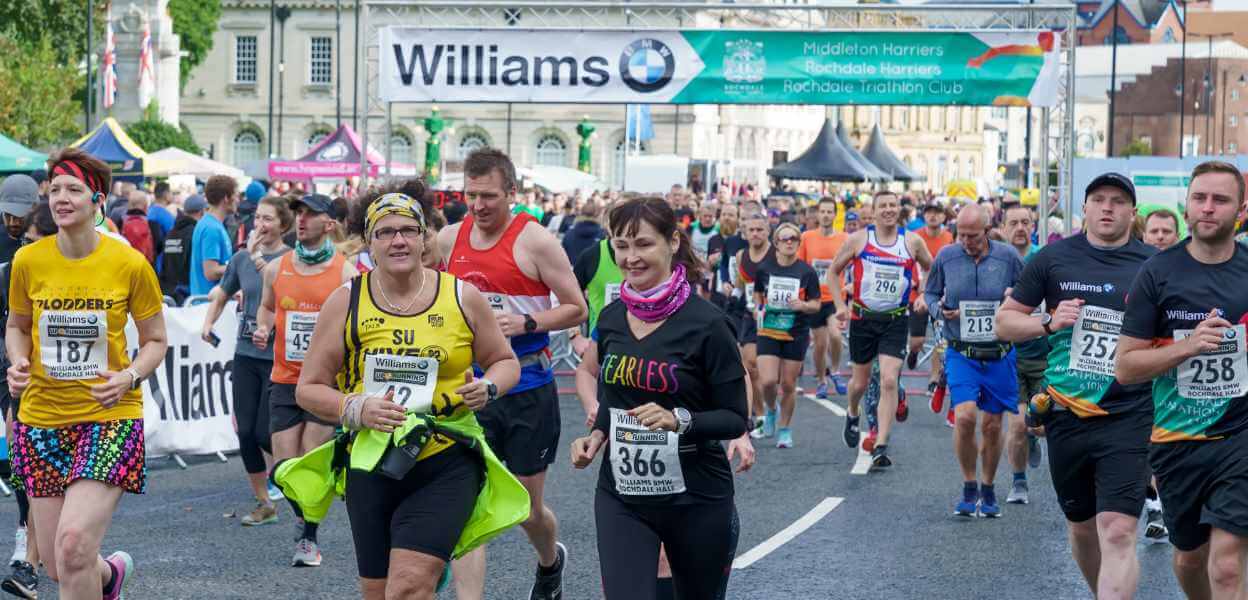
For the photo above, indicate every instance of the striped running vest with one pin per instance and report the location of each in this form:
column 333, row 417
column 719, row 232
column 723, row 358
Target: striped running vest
column 883, row 275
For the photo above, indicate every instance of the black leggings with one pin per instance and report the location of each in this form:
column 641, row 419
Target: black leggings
column 701, row 541
column 251, row 409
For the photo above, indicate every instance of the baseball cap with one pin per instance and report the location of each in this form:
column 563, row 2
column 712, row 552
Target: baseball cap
column 851, row 216
column 1116, row 180
column 195, row 203
column 255, row 191
column 18, row 195
column 933, row 206
column 315, row 202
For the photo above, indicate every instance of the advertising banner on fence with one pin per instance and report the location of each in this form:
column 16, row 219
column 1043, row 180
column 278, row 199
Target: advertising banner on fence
column 188, row 403
column 719, row 67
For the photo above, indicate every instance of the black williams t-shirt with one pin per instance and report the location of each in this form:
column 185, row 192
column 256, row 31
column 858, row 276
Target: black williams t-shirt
column 799, row 277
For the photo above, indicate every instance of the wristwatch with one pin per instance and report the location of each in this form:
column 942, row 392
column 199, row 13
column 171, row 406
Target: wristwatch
column 683, row 420
column 1046, row 320
column 530, row 324
column 491, row 390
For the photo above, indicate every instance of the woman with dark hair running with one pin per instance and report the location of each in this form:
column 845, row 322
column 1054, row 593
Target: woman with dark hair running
column 391, row 360
column 670, row 388
column 78, row 441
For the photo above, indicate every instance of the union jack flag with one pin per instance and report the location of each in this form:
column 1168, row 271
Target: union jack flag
column 109, row 67
column 147, row 75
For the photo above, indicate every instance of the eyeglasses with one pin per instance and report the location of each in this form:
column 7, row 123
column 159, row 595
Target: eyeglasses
column 409, row 233
column 786, row 240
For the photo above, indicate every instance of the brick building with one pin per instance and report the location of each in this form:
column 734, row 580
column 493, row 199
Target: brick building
column 1139, row 21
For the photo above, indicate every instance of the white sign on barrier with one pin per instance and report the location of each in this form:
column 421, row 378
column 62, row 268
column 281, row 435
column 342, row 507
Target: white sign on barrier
column 188, row 403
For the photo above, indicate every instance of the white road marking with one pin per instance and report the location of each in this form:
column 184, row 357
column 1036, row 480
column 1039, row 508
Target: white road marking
column 828, row 404
column 863, row 464
column 785, row 535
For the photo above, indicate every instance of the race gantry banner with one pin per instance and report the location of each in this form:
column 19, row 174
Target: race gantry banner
column 719, row 67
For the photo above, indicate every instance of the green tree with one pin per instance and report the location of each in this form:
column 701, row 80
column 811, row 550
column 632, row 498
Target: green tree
column 1137, row 147
column 152, row 134
column 37, row 106
column 61, row 22
column 195, row 22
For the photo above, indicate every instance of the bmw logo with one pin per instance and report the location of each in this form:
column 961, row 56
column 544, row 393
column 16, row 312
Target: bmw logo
column 422, row 364
column 646, row 65
column 1230, row 334
column 1109, row 288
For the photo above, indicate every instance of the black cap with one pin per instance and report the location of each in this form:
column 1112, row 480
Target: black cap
column 315, row 202
column 933, row 206
column 1111, row 179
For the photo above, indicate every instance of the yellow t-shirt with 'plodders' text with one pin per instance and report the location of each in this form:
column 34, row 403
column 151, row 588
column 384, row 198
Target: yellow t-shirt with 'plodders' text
column 78, row 310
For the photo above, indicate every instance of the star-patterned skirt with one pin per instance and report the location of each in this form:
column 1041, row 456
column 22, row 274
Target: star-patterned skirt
column 48, row 460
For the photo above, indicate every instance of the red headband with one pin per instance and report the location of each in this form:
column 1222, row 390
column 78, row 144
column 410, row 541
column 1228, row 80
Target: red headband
column 76, row 170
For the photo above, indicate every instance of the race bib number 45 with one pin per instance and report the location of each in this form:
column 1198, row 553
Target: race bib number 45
column 412, row 379
column 299, row 326
column 644, row 462
column 1221, row 373
column 1094, row 341
column 976, row 318
column 73, row 344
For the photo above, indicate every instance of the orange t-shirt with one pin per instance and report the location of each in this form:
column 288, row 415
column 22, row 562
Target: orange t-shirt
column 935, row 242
column 818, row 250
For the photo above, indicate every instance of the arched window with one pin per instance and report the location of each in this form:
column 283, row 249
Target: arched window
column 246, row 147
column 1168, row 36
column 317, row 137
column 952, row 120
column 400, row 149
column 617, row 163
column 470, row 142
column 551, row 151
column 1121, row 34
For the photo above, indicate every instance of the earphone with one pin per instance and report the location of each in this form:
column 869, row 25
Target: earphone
column 97, row 197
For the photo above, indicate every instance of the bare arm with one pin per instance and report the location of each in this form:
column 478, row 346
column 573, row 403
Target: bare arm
column 489, row 348
column 919, row 251
column 265, row 314
column 213, row 270
column 836, row 271
column 318, row 392
column 1015, row 323
column 216, row 304
column 587, row 383
column 554, row 270
column 446, row 239
column 152, row 345
column 17, row 345
column 1138, row 361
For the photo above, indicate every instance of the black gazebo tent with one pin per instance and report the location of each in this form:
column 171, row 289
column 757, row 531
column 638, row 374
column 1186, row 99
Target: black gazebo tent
column 877, row 173
column 878, row 152
column 827, row 159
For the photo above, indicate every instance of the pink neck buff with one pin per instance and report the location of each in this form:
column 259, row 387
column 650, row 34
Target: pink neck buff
column 660, row 302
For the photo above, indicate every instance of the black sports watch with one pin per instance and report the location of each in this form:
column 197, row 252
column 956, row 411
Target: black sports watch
column 530, row 324
column 491, row 390
column 1046, row 320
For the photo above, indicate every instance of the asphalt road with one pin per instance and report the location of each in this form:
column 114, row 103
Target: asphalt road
column 890, row 536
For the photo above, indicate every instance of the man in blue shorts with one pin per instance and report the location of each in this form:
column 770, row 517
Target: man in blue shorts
column 967, row 283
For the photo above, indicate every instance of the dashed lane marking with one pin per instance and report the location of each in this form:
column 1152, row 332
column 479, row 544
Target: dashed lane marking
column 787, row 534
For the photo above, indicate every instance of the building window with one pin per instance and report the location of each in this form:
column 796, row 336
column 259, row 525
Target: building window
column 321, row 61
column 400, row 149
column 246, row 147
column 316, row 138
column 617, row 172
column 1191, row 145
column 1234, row 94
column 470, row 142
column 901, row 118
column 1232, row 147
column 1168, row 36
column 1121, row 34
column 551, row 151
column 245, row 59
column 1234, row 121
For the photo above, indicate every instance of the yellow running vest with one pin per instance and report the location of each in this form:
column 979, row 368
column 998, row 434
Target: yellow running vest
column 421, row 357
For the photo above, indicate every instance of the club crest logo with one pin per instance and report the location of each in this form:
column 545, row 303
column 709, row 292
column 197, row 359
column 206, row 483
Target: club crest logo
column 744, row 61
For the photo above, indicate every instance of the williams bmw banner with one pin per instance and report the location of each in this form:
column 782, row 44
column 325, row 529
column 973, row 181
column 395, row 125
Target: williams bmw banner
column 719, row 67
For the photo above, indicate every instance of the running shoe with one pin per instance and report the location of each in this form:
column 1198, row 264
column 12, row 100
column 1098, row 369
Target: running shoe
column 307, row 554
column 879, row 457
column 850, row 434
column 23, row 582
column 868, row 443
column 275, row 493
column 949, row 419
column 19, row 545
column 124, row 566
column 839, row 384
column 1018, row 493
column 1155, row 532
column 785, row 439
column 966, row 506
column 769, row 424
column 550, row 587
column 263, row 514
column 912, row 360
column 821, row 390
column 935, row 397
column 903, row 408
column 988, row 507
column 1034, row 455
column 756, row 432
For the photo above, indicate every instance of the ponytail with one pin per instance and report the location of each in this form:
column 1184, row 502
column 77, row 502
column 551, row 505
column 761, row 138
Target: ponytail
column 694, row 267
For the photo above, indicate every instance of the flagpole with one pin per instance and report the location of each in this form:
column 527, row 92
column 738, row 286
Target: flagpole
column 90, row 50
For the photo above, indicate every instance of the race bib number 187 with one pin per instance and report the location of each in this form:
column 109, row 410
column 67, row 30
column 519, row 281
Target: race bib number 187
column 73, row 344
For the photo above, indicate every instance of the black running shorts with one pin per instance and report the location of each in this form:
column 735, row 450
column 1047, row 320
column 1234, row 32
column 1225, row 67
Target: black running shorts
column 747, row 332
column 1203, row 484
column 825, row 316
column 1098, row 464
column 425, row 512
column 870, row 338
column 522, row 428
column 794, row 350
column 918, row 324
column 284, row 413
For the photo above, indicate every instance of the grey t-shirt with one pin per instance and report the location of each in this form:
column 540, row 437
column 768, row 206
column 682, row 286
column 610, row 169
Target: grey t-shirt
column 956, row 277
column 241, row 273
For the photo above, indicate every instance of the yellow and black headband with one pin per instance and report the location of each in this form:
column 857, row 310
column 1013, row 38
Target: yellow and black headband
column 393, row 204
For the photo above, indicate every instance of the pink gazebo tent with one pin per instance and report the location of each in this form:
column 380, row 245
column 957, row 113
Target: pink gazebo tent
column 336, row 157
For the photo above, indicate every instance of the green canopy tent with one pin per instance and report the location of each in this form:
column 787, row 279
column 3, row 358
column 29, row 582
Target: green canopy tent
column 16, row 158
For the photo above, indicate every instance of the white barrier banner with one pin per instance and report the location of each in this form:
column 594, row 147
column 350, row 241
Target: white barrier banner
column 188, row 403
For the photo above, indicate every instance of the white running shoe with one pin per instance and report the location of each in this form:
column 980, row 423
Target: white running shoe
column 306, row 554
column 19, row 545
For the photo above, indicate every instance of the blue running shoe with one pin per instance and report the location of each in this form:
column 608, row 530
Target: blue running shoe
column 785, row 439
column 839, row 384
column 769, row 424
column 275, row 493
column 966, row 507
column 988, row 507
column 821, row 391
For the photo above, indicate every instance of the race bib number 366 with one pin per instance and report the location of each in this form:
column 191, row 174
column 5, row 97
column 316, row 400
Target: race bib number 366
column 1094, row 341
column 299, row 326
column 73, row 344
column 644, row 462
column 411, row 378
column 1218, row 374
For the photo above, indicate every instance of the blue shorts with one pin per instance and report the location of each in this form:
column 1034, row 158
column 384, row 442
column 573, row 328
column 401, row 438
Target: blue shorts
column 992, row 386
